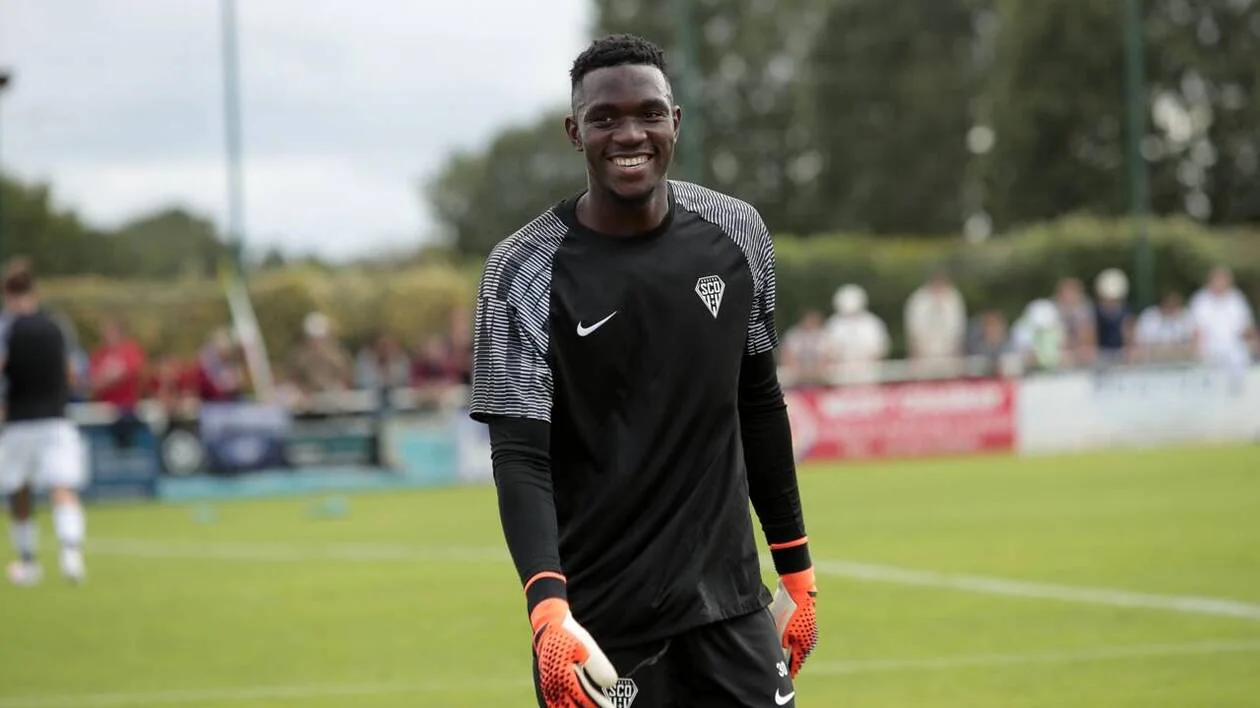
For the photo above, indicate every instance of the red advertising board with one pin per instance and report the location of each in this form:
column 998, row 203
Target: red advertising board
column 903, row 420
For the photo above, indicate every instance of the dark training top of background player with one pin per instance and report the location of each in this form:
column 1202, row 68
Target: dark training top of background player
column 35, row 372
column 638, row 379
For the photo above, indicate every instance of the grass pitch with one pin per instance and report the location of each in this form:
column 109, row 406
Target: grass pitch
column 1110, row 580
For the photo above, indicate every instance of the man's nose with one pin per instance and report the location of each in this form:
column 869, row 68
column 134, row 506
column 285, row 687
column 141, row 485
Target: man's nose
column 630, row 132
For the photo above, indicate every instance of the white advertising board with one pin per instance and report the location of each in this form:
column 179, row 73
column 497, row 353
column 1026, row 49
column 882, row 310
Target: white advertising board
column 1137, row 407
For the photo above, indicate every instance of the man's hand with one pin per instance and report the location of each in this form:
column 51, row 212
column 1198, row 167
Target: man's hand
column 795, row 618
column 572, row 670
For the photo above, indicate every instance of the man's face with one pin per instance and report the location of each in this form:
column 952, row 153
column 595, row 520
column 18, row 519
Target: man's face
column 625, row 122
column 1221, row 280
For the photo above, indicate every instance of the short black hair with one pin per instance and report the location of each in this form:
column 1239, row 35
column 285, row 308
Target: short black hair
column 617, row 50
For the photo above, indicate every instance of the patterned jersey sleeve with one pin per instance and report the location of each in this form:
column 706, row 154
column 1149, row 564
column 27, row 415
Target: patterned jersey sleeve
column 511, row 375
column 762, row 334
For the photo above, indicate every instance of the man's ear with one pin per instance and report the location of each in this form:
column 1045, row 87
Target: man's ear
column 677, row 120
column 571, row 130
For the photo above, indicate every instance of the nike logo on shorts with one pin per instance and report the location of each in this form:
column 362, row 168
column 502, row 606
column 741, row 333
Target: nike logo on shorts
column 782, row 700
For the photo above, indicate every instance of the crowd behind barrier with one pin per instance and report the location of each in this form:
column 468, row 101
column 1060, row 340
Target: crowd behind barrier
column 412, row 438
column 970, row 382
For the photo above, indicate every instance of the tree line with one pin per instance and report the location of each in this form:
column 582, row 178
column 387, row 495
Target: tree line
column 913, row 117
column 170, row 242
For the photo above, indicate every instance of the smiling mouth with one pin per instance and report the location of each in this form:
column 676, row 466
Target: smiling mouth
column 631, row 160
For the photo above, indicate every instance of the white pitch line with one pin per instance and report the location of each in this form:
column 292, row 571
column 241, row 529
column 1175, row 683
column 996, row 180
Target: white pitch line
column 256, row 693
column 372, row 552
column 832, row 668
column 291, row 552
column 1207, row 648
column 1037, row 590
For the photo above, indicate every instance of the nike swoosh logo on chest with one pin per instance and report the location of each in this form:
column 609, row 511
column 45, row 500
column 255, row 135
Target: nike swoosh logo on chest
column 584, row 331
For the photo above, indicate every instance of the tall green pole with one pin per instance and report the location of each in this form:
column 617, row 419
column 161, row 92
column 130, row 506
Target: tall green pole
column 693, row 137
column 232, row 124
column 1135, row 60
column 5, row 78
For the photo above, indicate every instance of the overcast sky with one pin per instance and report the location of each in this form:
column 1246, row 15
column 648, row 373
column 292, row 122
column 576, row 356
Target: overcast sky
column 347, row 105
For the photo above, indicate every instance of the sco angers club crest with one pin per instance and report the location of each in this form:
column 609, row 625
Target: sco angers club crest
column 622, row 693
column 710, row 289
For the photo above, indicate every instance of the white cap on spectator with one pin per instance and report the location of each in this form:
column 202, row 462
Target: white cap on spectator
column 1042, row 313
column 316, row 325
column 1112, row 284
column 849, row 300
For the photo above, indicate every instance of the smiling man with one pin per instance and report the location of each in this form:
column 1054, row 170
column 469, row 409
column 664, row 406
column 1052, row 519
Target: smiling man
column 624, row 363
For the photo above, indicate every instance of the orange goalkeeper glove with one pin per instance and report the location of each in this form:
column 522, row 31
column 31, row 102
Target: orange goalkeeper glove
column 573, row 671
column 795, row 618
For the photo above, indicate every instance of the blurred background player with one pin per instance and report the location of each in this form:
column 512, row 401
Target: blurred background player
column 624, row 361
column 40, row 448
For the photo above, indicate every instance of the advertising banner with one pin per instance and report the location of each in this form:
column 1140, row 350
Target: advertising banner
column 331, row 440
column 910, row 419
column 473, row 448
column 123, row 462
column 242, row 437
column 419, row 448
column 1138, row 407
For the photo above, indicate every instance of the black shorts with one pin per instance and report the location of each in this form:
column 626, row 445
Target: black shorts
column 736, row 663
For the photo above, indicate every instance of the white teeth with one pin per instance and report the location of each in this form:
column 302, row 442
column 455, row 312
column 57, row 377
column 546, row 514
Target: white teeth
column 630, row 161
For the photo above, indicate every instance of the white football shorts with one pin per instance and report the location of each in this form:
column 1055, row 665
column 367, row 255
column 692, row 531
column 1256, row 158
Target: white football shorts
column 42, row 453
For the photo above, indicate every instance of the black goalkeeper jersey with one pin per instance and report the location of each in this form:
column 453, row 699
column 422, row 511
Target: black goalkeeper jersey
column 631, row 349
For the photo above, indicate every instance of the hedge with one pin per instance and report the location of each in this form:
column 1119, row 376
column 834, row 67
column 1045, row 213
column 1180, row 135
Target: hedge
column 177, row 317
column 1004, row 273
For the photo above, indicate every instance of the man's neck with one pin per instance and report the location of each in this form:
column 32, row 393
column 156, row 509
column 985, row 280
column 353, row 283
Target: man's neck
column 21, row 304
column 606, row 214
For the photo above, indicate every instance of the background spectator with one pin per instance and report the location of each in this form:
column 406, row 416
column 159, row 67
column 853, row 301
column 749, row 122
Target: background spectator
column 220, row 374
column 382, row 365
column 806, row 358
column 1077, row 320
column 173, row 385
column 117, row 368
column 1226, row 324
column 990, row 343
column 1113, row 322
column 936, row 327
column 117, row 372
column 1039, row 336
column 857, row 338
column 1165, row 332
column 461, row 344
column 320, row 364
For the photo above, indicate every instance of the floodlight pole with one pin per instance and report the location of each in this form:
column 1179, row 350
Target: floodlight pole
column 232, row 125
column 1139, row 188
column 6, row 78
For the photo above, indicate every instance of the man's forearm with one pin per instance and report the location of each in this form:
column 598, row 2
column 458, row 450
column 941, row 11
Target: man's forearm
column 772, row 482
column 520, row 453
